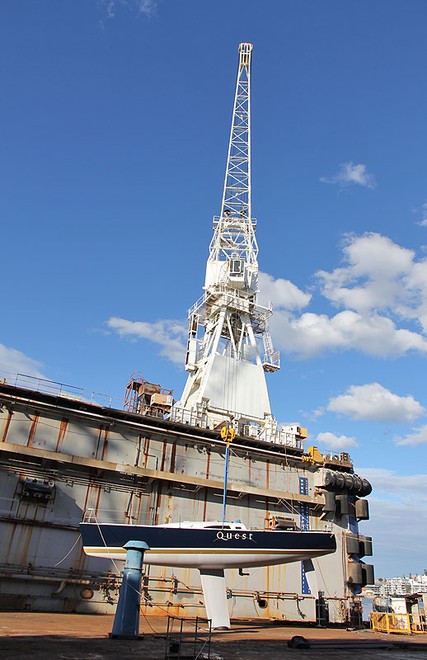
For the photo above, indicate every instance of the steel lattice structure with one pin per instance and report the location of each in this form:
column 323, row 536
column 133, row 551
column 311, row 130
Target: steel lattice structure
column 234, row 230
column 229, row 345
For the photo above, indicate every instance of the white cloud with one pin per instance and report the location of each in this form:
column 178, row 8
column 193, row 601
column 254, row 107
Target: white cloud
column 423, row 221
column 390, row 485
column 334, row 442
column 398, row 522
column 416, row 282
column 399, row 533
column 417, row 437
column 379, row 276
column 145, row 7
column 380, row 285
column 312, row 334
column 281, row 293
column 13, row 362
column 305, row 336
column 374, row 275
column 374, row 402
column 351, row 173
column 170, row 335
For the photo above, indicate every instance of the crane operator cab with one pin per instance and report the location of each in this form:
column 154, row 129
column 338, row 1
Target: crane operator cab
column 236, row 273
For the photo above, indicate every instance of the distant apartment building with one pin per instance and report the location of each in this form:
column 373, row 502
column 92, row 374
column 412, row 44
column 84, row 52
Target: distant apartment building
column 402, row 586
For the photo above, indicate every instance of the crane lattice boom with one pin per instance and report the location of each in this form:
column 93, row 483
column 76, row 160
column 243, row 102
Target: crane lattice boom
column 229, row 345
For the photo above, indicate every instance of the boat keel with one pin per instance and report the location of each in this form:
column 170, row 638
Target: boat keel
column 215, row 596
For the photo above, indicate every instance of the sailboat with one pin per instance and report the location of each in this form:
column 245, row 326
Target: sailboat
column 211, row 547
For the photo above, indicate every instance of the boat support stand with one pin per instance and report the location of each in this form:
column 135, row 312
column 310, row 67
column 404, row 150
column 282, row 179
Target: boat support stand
column 126, row 620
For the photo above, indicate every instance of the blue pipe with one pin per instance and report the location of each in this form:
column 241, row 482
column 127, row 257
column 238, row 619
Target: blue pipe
column 126, row 620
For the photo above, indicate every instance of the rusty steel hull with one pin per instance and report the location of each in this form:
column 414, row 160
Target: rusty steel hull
column 60, row 458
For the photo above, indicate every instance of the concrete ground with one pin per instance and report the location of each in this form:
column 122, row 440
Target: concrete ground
column 40, row 636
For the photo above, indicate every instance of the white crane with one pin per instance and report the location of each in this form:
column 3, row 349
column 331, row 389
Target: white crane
column 229, row 345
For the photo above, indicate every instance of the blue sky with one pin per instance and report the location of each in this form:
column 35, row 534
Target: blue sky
column 114, row 125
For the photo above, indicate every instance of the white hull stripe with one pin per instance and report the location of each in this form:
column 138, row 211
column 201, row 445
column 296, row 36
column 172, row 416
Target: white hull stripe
column 97, row 550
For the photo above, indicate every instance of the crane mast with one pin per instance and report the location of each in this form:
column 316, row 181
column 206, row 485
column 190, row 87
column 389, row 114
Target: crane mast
column 229, row 345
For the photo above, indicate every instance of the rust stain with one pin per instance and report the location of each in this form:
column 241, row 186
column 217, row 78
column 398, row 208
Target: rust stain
column 208, row 464
column 11, row 540
column 138, row 451
column 6, row 426
column 267, row 582
column 146, row 450
column 131, row 514
column 158, row 507
column 169, row 507
column 151, row 507
column 97, row 490
column 267, row 512
column 138, row 509
column 81, row 560
column 98, row 442
column 33, row 430
column 93, row 494
column 24, row 543
column 86, row 499
column 127, row 513
column 205, row 503
column 173, row 458
column 162, row 466
column 105, row 445
column 63, row 426
column 160, row 610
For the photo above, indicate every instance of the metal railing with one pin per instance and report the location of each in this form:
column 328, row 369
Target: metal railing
column 38, row 384
column 55, row 388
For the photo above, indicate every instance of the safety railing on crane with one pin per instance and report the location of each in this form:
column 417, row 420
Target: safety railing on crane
column 230, row 298
column 233, row 218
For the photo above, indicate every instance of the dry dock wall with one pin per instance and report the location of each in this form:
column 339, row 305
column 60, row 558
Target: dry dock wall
column 126, row 468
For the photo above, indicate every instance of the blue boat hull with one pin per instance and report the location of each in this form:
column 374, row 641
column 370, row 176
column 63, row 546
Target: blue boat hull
column 206, row 548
